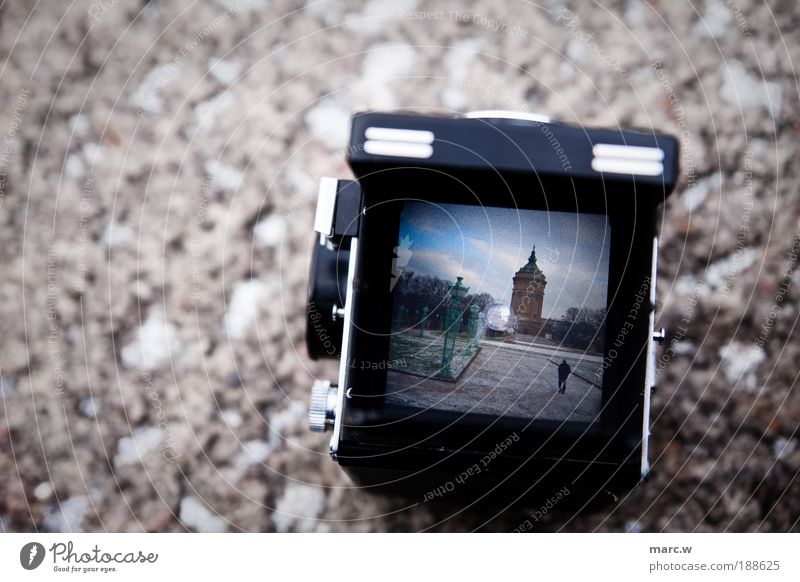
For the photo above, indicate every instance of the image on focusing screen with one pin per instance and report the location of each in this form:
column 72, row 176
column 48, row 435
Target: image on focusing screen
column 499, row 311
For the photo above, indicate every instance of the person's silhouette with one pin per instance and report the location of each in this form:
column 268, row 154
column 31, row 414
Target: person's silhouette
column 563, row 373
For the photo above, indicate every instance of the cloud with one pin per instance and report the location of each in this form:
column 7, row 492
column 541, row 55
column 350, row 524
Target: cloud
column 487, row 246
column 494, row 251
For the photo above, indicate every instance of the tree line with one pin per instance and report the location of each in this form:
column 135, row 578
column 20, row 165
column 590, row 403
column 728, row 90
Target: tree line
column 581, row 328
column 415, row 292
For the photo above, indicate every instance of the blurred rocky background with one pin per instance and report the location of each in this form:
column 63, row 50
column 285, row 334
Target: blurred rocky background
column 158, row 172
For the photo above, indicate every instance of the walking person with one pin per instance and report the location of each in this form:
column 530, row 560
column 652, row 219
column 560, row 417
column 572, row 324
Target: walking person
column 563, row 373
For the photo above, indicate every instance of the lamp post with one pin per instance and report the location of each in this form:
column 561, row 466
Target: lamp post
column 452, row 324
column 401, row 315
column 424, row 321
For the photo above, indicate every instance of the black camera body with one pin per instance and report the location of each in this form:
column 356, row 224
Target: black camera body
column 488, row 284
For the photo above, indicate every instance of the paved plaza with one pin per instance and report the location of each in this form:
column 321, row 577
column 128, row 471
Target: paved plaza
column 508, row 379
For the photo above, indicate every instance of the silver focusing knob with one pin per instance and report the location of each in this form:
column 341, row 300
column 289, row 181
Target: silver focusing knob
column 322, row 406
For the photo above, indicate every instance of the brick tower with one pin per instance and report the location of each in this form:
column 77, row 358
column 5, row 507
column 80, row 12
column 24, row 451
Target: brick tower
column 528, row 296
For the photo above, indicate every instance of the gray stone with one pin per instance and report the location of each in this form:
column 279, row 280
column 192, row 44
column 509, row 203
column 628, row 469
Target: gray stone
column 298, row 508
column 195, row 515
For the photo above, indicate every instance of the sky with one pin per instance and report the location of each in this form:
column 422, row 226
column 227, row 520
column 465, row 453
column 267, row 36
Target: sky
column 487, row 245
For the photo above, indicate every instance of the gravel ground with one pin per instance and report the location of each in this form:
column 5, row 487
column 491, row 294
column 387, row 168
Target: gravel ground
column 158, row 168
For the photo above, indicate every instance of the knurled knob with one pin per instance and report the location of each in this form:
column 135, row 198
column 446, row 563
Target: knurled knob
column 322, row 406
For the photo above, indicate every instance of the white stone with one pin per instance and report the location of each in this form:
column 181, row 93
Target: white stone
column 301, row 182
column 94, row 154
column 454, row 98
column 633, row 526
column 225, row 177
column 783, row 447
column 151, row 10
column 43, row 491
column 635, row 12
column 741, row 89
column 329, row 122
column 330, row 11
column 269, row 232
column 225, row 71
column 566, row 70
column 576, row 51
column 378, row 15
column 79, row 125
column 67, row 516
column 253, row 453
column 684, row 347
column 88, row 407
column 715, row 21
column 6, row 385
column 298, row 508
column 459, row 58
column 74, row 166
column 689, row 286
column 383, row 70
column 694, row 196
column 230, row 417
column 131, row 449
column 195, row 515
column 457, row 63
column 284, row 423
column 75, row 333
column 388, row 60
column 243, row 308
column 148, row 97
column 722, row 272
column 739, row 362
column 236, row 6
column 156, row 342
column 206, row 113
column 116, row 235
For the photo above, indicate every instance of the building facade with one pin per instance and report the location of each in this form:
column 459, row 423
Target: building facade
column 527, row 297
